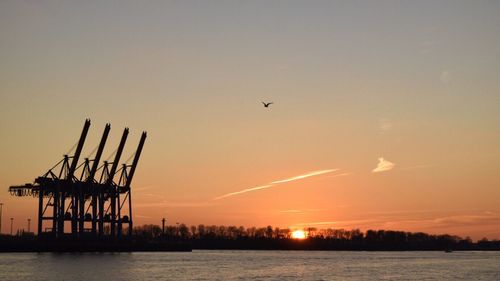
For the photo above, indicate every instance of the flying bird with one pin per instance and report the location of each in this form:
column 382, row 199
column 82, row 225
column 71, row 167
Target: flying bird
column 267, row 104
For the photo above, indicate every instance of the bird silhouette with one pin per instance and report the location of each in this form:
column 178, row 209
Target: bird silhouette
column 267, row 104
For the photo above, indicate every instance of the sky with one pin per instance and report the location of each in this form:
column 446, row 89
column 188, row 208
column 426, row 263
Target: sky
column 385, row 113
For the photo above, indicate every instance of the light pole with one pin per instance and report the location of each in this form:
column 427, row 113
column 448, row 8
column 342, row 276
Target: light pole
column 29, row 222
column 163, row 227
column 1, row 205
column 11, row 223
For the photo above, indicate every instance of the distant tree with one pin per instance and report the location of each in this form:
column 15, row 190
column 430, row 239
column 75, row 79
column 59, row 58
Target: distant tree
column 221, row 231
column 357, row 235
column 484, row 239
column 183, row 231
column 242, row 232
column 269, row 232
column 311, row 231
column 260, row 232
column 201, row 231
column 214, row 236
column 171, row 231
column 212, row 231
column 284, row 233
column 194, row 234
column 232, row 232
column 251, row 231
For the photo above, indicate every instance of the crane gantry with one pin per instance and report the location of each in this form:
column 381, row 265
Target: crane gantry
column 85, row 204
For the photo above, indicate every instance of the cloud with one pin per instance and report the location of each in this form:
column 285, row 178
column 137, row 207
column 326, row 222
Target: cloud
column 274, row 183
column 300, row 211
column 338, row 224
column 417, row 167
column 244, row 191
column 473, row 223
column 291, row 211
column 142, row 217
column 166, row 204
column 316, row 223
column 446, row 223
column 487, row 218
column 334, row 176
column 310, row 174
column 145, row 187
column 385, row 124
column 383, row 165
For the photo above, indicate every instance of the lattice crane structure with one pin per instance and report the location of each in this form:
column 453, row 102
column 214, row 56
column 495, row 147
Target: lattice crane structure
column 72, row 197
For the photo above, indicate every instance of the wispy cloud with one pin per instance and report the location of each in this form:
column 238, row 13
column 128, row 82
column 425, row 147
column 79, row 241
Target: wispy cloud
column 470, row 223
column 383, row 165
column 385, row 124
column 487, row 218
column 339, row 223
column 166, row 204
column 316, row 223
column 274, row 183
column 144, row 187
column 417, row 167
column 142, row 217
column 311, row 174
column 244, row 191
column 299, row 211
column 339, row 175
column 291, row 211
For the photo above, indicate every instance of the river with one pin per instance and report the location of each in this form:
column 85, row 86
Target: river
column 251, row 265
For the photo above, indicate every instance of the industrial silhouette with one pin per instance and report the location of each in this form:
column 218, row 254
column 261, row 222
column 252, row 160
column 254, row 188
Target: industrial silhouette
column 86, row 202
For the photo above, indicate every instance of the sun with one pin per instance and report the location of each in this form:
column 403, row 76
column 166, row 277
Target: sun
column 298, row 234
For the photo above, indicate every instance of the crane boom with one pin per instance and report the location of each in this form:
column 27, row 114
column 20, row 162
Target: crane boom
column 98, row 154
column 117, row 157
column 79, row 149
column 136, row 160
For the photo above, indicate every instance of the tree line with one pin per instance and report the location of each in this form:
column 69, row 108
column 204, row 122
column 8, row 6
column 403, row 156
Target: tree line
column 239, row 237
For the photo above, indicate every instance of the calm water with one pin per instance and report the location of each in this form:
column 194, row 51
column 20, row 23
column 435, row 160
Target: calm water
column 253, row 265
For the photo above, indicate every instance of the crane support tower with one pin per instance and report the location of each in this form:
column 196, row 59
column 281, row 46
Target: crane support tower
column 73, row 200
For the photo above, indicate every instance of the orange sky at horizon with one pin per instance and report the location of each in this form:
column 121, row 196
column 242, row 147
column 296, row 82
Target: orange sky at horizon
column 328, row 198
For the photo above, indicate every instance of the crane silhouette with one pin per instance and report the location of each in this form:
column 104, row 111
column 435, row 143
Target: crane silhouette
column 267, row 104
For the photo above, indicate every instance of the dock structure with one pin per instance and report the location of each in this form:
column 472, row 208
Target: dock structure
column 74, row 201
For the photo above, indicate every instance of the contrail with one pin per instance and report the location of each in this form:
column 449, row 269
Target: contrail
column 310, row 174
column 243, row 191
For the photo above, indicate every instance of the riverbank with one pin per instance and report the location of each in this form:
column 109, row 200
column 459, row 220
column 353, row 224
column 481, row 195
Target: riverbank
column 135, row 244
column 32, row 244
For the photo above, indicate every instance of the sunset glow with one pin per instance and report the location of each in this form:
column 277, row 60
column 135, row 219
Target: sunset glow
column 299, row 234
